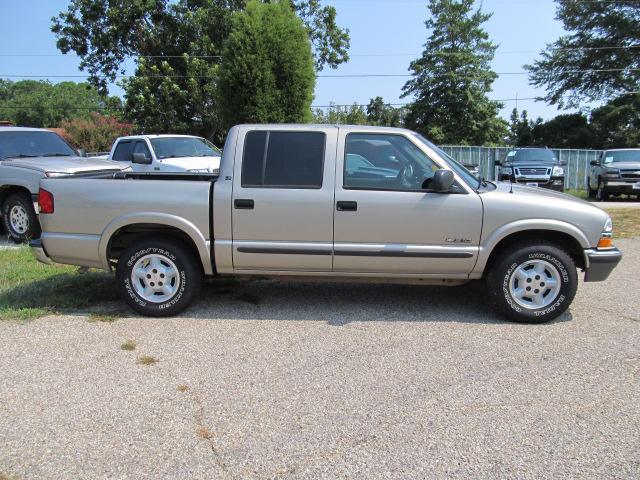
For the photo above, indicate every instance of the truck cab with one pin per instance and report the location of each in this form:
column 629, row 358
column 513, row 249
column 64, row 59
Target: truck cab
column 166, row 153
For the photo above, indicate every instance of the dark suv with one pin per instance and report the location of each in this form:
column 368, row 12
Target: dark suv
column 534, row 166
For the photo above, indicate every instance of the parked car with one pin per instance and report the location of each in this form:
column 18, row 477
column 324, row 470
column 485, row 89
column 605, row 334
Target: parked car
column 615, row 172
column 533, row 166
column 26, row 156
column 166, row 153
column 292, row 201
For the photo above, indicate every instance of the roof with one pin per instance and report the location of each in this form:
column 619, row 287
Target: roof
column 22, row 129
column 161, row 135
column 621, row 149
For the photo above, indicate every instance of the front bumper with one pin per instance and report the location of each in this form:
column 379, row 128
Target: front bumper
column 622, row 186
column 601, row 263
column 38, row 251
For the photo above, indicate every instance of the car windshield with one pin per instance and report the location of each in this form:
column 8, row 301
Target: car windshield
column 624, row 156
column 531, row 155
column 173, row 147
column 20, row 144
column 457, row 167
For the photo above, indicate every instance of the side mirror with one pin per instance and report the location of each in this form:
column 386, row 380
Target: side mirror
column 140, row 158
column 442, row 181
column 82, row 152
column 594, row 163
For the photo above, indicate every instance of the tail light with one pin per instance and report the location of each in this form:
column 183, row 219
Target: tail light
column 45, row 201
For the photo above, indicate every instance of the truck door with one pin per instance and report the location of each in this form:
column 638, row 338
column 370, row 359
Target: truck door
column 386, row 222
column 282, row 200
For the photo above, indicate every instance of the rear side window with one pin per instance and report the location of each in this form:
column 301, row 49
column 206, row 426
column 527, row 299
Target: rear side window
column 123, row 152
column 283, row 159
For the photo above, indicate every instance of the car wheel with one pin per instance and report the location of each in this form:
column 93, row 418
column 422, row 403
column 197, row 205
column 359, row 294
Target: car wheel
column 601, row 194
column 19, row 218
column 532, row 283
column 158, row 277
column 591, row 193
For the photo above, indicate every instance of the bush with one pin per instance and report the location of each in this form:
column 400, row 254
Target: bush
column 96, row 134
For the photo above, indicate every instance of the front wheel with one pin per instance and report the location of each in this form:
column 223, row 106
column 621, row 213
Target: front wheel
column 19, row 218
column 158, row 277
column 601, row 194
column 533, row 283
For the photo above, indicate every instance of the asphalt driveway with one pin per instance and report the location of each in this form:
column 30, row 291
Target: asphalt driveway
column 277, row 380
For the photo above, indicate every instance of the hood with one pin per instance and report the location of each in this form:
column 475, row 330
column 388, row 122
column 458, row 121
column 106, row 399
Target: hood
column 538, row 195
column 182, row 164
column 531, row 163
column 65, row 164
column 623, row 165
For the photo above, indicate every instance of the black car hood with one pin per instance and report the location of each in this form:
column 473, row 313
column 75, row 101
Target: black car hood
column 531, row 164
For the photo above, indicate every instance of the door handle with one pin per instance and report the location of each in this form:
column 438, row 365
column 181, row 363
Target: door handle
column 347, row 206
column 243, row 204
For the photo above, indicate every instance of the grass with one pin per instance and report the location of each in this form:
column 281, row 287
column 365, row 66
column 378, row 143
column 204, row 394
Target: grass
column 183, row 387
column 29, row 289
column 626, row 222
column 128, row 346
column 147, row 360
column 105, row 317
column 577, row 193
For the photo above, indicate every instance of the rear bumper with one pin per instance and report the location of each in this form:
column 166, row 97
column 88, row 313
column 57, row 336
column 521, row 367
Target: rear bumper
column 601, row 263
column 38, row 251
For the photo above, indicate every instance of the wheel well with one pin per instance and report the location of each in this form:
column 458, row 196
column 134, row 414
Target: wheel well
column 123, row 237
column 563, row 240
column 7, row 190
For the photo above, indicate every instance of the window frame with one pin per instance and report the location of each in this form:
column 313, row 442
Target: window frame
column 457, row 189
column 266, row 152
column 122, row 142
column 146, row 146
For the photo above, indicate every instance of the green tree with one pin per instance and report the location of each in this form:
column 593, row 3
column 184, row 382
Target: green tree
column 383, row 114
column 35, row 103
column 564, row 131
column 617, row 123
column 341, row 115
column 267, row 73
column 587, row 63
column 521, row 128
column 453, row 77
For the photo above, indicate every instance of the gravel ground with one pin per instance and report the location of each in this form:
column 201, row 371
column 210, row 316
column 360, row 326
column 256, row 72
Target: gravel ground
column 277, row 380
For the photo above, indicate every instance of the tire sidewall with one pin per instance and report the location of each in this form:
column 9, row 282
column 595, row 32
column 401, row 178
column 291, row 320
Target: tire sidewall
column 568, row 284
column 189, row 280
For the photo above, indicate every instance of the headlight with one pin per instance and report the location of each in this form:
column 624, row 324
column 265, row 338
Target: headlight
column 606, row 239
column 57, row 174
column 506, row 171
column 557, row 171
column 612, row 172
column 608, row 226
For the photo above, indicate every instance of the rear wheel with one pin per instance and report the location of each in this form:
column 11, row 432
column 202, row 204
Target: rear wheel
column 158, row 277
column 19, row 218
column 533, row 283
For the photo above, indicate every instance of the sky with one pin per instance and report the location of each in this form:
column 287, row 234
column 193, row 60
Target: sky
column 385, row 36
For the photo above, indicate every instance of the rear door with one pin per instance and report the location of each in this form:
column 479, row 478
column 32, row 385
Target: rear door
column 282, row 199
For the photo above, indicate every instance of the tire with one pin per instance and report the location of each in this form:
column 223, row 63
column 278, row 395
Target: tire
column 591, row 193
column 162, row 291
column 601, row 194
column 19, row 218
column 533, row 266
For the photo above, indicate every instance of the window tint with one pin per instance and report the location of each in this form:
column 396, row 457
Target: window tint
column 33, row 144
column 123, row 151
column 292, row 159
column 141, row 147
column 385, row 162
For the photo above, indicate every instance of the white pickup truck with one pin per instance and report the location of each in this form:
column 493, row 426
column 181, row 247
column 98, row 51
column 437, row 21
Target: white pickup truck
column 166, row 153
column 327, row 202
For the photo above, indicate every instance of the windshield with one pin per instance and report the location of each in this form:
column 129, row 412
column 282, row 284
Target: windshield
column 173, row 147
column 457, row 167
column 624, row 156
column 19, row 144
column 531, row 155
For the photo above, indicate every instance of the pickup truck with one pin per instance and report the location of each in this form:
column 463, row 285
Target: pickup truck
column 298, row 201
column 616, row 172
column 166, row 153
column 26, row 156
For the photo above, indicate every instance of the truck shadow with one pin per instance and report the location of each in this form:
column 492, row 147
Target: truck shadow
column 342, row 303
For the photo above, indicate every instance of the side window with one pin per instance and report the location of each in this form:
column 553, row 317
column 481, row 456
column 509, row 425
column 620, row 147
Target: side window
column 141, row 147
column 123, row 151
column 385, row 162
column 277, row 159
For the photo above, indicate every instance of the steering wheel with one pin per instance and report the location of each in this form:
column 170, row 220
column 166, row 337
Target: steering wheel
column 406, row 176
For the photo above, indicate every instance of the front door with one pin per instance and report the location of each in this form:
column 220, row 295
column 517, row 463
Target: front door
column 386, row 221
column 283, row 200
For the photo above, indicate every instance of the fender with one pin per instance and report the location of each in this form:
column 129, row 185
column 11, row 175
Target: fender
column 489, row 243
column 163, row 219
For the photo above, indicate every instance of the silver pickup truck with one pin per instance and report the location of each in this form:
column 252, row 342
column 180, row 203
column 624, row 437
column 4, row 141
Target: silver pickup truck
column 327, row 202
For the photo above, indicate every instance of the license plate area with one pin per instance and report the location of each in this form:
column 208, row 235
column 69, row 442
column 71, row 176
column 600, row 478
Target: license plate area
column 532, row 184
column 636, row 186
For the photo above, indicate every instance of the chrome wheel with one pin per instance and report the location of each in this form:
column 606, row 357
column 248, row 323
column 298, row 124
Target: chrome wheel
column 19, row 219
column 535, row 284
column 155, row 278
